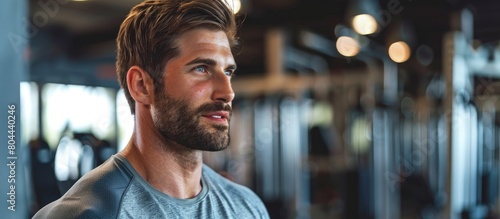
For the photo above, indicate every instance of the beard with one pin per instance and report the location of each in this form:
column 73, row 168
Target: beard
column 177, row 121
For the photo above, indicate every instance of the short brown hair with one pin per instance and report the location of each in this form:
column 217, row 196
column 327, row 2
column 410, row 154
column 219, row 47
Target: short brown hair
column 148, row 35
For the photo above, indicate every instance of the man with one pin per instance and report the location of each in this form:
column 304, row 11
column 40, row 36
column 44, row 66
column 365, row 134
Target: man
column 175, row 65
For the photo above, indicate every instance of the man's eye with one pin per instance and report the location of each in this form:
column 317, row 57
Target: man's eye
column 200, row 68
column 229, row 72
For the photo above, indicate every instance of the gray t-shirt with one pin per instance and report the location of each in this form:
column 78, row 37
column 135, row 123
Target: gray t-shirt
column 116, row 190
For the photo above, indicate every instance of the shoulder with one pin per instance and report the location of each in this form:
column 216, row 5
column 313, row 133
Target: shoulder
column 96, row 195
column 240, row 196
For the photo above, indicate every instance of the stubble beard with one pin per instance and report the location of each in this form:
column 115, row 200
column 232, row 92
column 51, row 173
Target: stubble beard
column 177, row 121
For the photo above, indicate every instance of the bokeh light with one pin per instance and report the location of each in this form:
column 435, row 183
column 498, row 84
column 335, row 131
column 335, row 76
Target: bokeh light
column 347, row 46
column 399, row 52
column 364, row 24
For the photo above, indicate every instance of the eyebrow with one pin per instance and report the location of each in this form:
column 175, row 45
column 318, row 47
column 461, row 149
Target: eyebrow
column 209, row 62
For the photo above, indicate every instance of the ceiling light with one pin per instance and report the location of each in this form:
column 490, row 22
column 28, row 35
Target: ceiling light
column 235, row 5
column 347, row 46
column 364, row 24
column 399, row 52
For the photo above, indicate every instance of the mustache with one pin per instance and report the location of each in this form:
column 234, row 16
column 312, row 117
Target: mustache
column 210, row 107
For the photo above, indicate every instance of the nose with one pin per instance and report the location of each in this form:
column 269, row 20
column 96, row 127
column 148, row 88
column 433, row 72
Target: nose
column 223, row 91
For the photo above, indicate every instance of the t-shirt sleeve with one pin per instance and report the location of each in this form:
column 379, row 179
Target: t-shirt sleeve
column 98, row 194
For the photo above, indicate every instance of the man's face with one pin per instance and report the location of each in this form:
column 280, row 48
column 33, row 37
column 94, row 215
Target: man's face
column 194, row 108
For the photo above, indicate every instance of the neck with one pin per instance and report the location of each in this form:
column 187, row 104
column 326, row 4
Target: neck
column 169, row 167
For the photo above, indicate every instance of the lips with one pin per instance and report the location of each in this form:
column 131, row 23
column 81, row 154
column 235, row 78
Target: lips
column 218, row 116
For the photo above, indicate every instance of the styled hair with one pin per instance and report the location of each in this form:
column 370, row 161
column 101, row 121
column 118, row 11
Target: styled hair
column 147, row 37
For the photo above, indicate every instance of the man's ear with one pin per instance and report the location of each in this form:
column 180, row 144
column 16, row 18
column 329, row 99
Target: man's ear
column 140, row 85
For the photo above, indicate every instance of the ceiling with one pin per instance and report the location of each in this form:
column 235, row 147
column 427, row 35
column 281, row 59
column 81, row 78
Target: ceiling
column 80, row 30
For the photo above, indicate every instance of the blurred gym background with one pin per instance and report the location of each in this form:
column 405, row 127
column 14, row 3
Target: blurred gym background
column 348, row 109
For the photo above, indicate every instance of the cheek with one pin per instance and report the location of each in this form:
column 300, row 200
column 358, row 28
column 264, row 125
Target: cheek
column 191, row 92
column 194, row 91
column 200, row 92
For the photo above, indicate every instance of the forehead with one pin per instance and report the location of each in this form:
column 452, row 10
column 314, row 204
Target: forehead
column 201, row 38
